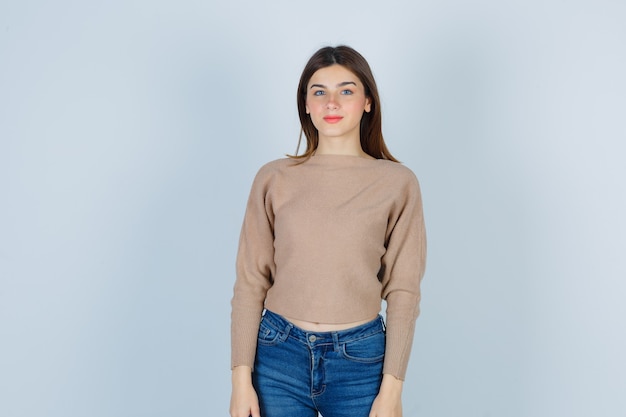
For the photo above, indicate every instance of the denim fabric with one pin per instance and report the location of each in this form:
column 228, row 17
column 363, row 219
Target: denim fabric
column 298, row 373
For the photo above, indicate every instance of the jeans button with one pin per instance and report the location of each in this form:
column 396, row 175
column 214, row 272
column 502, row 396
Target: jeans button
column 312, row 338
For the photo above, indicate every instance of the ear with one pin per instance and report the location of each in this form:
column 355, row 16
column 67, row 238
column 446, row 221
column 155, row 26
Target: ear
column 368, row 104
column 306, row 106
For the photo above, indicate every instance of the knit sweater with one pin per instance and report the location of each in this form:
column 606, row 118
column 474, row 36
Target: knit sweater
column 326, row 241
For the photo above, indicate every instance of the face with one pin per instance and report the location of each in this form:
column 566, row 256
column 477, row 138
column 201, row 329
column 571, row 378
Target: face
column 336, row 100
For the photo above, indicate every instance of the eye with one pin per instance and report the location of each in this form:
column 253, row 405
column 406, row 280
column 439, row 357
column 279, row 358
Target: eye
column 318, row 93
column 346, row 92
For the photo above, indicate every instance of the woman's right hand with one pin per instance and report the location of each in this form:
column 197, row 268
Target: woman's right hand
column 244, row 401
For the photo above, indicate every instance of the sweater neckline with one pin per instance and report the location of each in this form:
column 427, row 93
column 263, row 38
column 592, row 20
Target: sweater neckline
column 341, row 156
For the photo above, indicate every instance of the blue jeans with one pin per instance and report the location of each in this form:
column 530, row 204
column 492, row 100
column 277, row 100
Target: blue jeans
column 298, row 373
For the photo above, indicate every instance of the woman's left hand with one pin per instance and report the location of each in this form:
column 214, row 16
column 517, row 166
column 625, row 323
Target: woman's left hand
column 388, row 402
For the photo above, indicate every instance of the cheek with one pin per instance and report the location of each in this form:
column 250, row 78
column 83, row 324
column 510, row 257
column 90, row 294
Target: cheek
column 356, row 107
column 313, row 108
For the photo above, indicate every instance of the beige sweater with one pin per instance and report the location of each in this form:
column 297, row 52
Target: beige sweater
column 325, row 241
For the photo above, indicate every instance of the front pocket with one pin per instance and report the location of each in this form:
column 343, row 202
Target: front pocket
column 268, row 335
column 369, row 349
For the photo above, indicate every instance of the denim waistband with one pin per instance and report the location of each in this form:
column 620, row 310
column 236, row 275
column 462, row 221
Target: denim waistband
column 319, row 338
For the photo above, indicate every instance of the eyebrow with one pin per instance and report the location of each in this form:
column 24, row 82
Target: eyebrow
column 343, row 84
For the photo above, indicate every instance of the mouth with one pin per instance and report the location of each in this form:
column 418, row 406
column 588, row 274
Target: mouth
column 333, row 119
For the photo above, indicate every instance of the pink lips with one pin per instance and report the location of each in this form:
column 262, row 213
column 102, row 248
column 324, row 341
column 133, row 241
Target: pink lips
column 333, row 119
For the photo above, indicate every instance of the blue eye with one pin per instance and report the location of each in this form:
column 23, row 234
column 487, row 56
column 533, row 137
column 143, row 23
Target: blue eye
column 346, row 92
column 318, row 93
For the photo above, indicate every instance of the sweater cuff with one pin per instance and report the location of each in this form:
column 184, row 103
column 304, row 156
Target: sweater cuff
column 244, row 331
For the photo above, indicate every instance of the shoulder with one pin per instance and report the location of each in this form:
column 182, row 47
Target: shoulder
column 401, row 181
column 397, row 172
column 275, row 166
column 271, row 169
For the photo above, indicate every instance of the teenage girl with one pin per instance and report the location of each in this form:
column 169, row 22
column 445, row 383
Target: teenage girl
column 328, row 235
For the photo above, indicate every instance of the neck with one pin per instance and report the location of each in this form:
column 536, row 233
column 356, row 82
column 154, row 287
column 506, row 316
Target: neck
column 340, row 146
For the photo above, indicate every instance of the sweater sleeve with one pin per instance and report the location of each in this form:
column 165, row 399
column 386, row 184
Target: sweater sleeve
column 255, row 268
column 403, row 266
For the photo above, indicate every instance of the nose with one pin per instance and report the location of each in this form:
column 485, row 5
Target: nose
column 332, row 102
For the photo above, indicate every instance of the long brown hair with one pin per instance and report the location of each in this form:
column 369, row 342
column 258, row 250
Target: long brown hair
column 371, row 133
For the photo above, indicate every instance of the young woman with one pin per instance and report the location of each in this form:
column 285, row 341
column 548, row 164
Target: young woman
column 326, row 236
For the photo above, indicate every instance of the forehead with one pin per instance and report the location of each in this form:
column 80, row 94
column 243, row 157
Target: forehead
column 333, row 75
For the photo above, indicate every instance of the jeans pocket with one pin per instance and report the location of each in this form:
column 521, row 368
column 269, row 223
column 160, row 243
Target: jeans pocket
column 369, row 349
column 268, row 334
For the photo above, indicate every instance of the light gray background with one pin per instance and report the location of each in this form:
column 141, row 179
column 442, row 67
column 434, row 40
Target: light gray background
column 130, row 132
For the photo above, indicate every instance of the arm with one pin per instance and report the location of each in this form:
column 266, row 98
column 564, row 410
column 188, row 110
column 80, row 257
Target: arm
column 255, row 268
column 403, row 264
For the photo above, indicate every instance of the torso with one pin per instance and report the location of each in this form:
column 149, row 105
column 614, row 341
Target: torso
column 329, row 281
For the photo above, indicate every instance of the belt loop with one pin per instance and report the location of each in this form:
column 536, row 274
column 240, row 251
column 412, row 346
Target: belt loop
column 336, row 341
column 285, row 333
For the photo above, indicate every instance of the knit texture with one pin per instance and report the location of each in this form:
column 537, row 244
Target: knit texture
column 326, row 241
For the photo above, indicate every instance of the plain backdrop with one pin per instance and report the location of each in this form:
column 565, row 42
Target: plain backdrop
column 130, row 132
